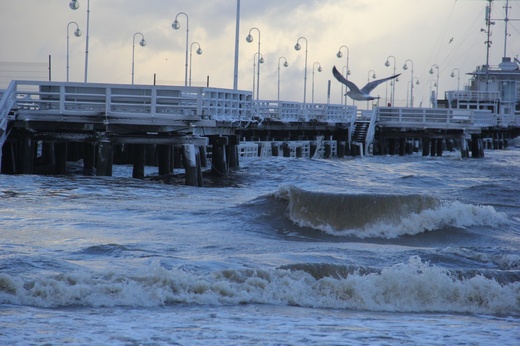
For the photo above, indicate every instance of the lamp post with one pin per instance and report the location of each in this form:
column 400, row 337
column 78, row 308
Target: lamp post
column 176, row 26
column 343, row 93
column 297, row 46
column 458, row 76
column 319, row 70
column 77, row 33
column 285, row 64
column 347, row 73
column 368, row 80
column 432, row 97
column 74, row 5
column 405, row 67
column 142, row 43
column 198, row 51
column 410, row 83
column 437, row 82
column 392, row 82
column 249, row 39
column 257, row 57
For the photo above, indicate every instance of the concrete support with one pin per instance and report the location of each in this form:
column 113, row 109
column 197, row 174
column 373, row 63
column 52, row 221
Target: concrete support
column 232, row 152
column 203, row 156
column 286, row 149
column 342, row 149
column 402, row 146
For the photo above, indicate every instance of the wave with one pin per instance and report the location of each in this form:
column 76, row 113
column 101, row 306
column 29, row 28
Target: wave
column 414, row 286
column 381, row 215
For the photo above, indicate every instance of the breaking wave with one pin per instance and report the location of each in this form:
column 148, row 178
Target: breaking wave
column 414, row 286
column 381, row 215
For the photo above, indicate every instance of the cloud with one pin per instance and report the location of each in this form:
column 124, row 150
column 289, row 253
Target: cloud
column 419, row 30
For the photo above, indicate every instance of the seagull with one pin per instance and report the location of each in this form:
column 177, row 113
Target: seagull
column 355, row 93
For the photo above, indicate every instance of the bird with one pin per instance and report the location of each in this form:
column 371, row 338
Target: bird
column 362, row 94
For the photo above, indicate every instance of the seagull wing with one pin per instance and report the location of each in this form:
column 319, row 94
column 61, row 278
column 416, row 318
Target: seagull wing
column 372, row 85
column 345, row 81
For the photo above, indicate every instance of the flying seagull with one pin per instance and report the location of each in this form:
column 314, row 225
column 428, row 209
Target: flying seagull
column 355, row 93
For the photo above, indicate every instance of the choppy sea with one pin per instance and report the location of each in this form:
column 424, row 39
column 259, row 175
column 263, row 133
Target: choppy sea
column 284, row 251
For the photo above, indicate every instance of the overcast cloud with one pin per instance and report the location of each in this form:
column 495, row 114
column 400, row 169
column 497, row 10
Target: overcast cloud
column 442, row 32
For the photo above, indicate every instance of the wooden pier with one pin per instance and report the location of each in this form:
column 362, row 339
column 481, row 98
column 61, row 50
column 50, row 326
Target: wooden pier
column 44, row 125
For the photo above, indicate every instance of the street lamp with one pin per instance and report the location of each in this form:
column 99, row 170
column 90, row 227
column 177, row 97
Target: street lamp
column 74, row 5
column 432, row 97
column 368, row 80
column 297, row 46
column 405, row 67
column 319, row 70
column 257, row 57
column 437, row 83
column 77, row 33
column 340, row 55
column 392, row 82
column 285, row 64
column 142, row 43
column 198, row 51
column 410, row 83
column 458, row 76
column 176, row 26
column 249, row 39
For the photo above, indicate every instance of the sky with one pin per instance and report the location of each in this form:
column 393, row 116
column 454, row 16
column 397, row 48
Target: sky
column 422, row 33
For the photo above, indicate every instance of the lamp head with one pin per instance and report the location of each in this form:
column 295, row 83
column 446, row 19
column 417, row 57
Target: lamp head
column 297, row 46
column 405, row 67
column 387, row 63
column 249, row 38
column 431, row 71
column 339, row 54
column 142, row 42
column 285, row 64
column 176, row 25
column 319, row 69
column 77, row 33
column 452, row 74
column 374, row 76
column 74, row 4
column 261, row 60
column 199, row 51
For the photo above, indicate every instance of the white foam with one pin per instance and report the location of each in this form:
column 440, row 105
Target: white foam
column 414, row 286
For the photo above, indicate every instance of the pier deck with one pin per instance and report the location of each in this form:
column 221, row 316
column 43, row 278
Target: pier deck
column 105, row 117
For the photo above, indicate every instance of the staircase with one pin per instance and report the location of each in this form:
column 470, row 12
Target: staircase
column 360, row 131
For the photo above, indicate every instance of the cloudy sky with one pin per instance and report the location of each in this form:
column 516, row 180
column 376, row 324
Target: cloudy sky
column 445, row 33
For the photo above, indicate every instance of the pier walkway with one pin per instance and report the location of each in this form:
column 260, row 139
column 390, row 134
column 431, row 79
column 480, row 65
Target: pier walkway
column 38, row 117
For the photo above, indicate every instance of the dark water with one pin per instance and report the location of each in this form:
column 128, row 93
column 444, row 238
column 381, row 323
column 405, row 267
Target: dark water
column 373, row 250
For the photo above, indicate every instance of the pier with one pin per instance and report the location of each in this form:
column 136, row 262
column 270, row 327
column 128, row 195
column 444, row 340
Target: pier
column 44, row 125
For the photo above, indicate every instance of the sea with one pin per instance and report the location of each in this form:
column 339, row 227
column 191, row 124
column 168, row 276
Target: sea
column 373, row 250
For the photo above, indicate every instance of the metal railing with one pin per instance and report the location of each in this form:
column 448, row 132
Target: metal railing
column 128, row 104
column 435, row 118
column 287, row 112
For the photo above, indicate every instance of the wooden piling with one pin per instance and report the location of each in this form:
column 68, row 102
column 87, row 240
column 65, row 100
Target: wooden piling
column 218, row 155
column 139, row 153
column 191, row 157
column 164, row 159
column 60, row 157
column 89, row 159
column 425, row 146
column 104, row 159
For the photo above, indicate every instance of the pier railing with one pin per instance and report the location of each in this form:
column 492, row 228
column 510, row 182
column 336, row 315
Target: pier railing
column 435, row 118
column 287, row 112
column 129, row 104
